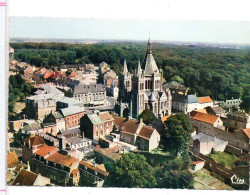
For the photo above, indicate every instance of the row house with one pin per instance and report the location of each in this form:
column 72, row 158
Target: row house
column 50, row 163
column 97, row 125
column 188, row 103
column 205, row 121
column 93, row 94
column 95, row 174
column 29, row 146
column 137, row 133
column 72, row 116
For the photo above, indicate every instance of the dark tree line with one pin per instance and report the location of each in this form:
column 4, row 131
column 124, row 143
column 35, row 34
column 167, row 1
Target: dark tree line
column 207, row 71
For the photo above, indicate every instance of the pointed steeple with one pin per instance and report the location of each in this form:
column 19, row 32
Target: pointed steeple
column 148, row 47
column 139, row 70
column 149, row 62
column 125, row 68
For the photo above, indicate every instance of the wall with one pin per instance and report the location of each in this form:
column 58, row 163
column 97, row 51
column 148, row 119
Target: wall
column 154, row 140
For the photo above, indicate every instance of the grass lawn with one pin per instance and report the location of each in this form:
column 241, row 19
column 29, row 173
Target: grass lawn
column 19, row 106
column 225, row 159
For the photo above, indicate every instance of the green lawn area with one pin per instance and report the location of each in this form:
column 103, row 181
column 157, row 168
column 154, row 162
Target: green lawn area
column 19, row 106
column 204, row 181
column 225, row 159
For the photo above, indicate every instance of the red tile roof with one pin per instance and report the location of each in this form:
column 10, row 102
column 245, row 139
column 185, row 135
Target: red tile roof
column 61, row 159
column 105, row 116
column 48, row 75
column 111, row 153
column 98, row 169
column 119, row 121
column 45, row 150
column 25, row 178
column 130, row 127
column 164, row 118
column 197, row 162
column 146, row 132
column 12, row 160
column 207, row 118
column 205, row 99
column 37, row 140
column 247, row 132
column 72, row 75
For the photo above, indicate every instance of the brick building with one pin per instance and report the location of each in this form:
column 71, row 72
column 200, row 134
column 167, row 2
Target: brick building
column 97, row 125
column 72, row 116
column 57, row 166
column 31, row 145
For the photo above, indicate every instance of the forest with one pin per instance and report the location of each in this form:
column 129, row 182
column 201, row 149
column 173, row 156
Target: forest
column 221, row 73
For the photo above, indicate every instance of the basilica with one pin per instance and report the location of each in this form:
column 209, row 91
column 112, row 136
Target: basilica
column 143, row 89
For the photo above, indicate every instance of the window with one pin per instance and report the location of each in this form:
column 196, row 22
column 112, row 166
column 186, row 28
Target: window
column 107, row 124
column 101, row 132
column 96, row 133
column 96, row 126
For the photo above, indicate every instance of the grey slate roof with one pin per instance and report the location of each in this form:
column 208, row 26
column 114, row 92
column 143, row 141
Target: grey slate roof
column 32, row 126
column 94, row 118
column 85, row 89
column 76, row 140
column 57, row 115
column 192, row 99
column 68, row 100
column 71, row 110
column 68, row 132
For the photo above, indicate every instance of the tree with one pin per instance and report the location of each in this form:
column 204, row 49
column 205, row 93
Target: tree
column 148, row 116
column 174, row 174
column 177, row 79
column 177, row 135
column 131, row 171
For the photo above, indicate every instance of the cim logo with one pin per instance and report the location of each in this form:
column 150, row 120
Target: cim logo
column 237, row 180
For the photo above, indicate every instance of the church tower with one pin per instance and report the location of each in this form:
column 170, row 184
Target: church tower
column 144, row 88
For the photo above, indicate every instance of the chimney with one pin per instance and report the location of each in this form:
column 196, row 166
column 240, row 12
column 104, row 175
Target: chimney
column 29, row 143
column 141, row 120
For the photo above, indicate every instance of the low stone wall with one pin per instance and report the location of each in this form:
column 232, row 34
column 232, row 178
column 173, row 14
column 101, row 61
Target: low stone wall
column 233, row 150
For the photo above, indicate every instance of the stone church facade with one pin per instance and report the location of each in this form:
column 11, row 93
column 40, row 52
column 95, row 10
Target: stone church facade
column 143, row 89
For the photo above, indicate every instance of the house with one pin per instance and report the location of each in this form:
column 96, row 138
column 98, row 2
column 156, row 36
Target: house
column 96, row 174
column 197, row 165
column 105, row 155
column 60, row 122
column 12, row 160
column 204, row 143
column 72, row 116
column 104, row 67
column 38, row 106
column 50, row 128
column 205, row 121
column 97, row 125
column 16, row 125
column 75, row 176
column 137, row 133
column 31, row 127
column 228, row 104
column 29, row 178
column 29, row 146
column 72, row 67
column 74, row 140
column 205, row 101
column 215, row 110
column 54, row 165
column 175, row 88
column 28, row 72
column 237, row 120
column 93, row 94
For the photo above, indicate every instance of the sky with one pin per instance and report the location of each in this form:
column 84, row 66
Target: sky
column 172, row 20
